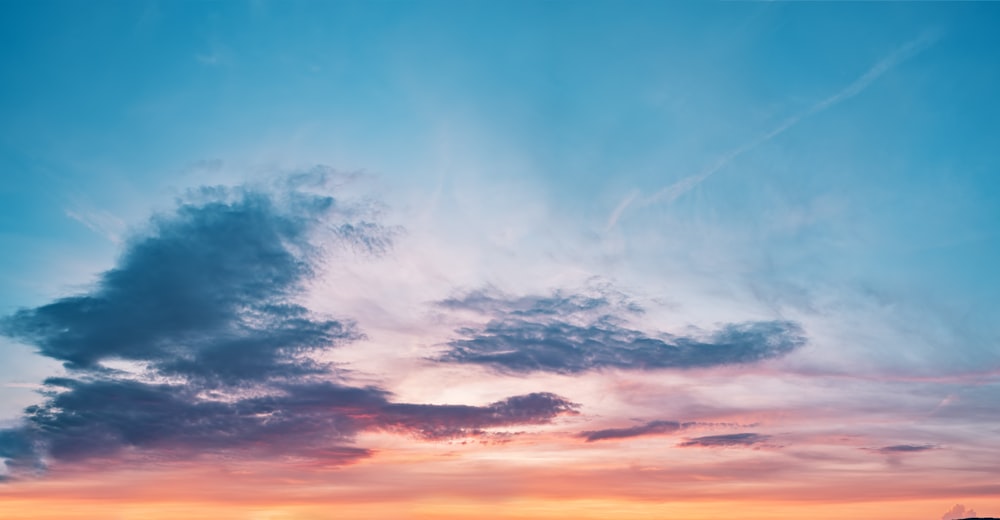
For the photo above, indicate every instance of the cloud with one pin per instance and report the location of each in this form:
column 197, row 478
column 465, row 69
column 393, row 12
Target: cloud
column 101, row 418
column 17, row 451
column 491, row 302
column 959, row 511
column 195, row 343
column 569, row 334
column 722, row 441
column 905, row 448
column 650, row 428
column 446, row 421
column 207, row 292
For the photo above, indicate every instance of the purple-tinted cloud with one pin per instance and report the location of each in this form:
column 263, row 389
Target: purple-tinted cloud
column 905, row 448
column 650, row 428
column 722, row 441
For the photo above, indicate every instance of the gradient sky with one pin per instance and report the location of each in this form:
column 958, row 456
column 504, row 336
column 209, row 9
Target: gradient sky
column 308, row 260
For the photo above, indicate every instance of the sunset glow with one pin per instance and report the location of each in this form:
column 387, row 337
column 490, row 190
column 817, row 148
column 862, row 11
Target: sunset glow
column 499, row 260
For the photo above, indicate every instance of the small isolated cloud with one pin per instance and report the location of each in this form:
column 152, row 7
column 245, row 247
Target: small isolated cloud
column 195, row 343
column 650, row 428
column 958, row 512
column 905, row 448
column 722, row 441
column 568, row 334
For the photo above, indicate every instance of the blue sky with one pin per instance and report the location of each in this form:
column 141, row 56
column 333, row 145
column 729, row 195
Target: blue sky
column 831, row 165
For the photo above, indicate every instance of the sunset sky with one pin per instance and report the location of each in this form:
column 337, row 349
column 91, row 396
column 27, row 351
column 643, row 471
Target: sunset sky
column 495, row 260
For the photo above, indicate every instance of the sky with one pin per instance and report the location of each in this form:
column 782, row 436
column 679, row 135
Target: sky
column 534, row 260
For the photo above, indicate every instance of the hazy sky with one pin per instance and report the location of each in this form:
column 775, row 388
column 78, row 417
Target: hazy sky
column 552, row 259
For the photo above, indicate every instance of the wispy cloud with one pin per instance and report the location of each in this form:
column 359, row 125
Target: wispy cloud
column 672, row 192
column 102, row 222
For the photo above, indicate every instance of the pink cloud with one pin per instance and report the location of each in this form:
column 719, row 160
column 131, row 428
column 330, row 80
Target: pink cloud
column 959, row 511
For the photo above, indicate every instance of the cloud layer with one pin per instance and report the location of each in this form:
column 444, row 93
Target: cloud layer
column 195, row 344
column 570, row 334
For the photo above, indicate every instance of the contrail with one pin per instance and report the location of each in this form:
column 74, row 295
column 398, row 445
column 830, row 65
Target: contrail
column 671, row 192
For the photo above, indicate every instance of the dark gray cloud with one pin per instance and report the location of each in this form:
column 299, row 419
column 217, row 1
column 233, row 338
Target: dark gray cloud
column 650, row 428
column 721, row 441
column 572, row 334
column 203, row 302
column 101, row 418
column 206, row 292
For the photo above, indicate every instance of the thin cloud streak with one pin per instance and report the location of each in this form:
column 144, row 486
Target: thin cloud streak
column 725, row 441
column 670, row 193
column 905, row 448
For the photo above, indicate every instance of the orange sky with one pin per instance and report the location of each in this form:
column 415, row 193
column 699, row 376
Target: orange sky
column 522, row 479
